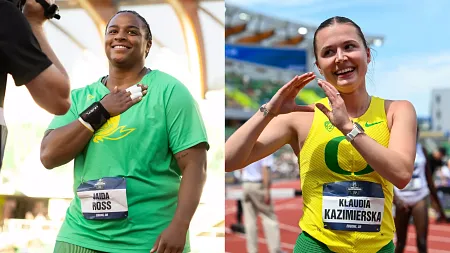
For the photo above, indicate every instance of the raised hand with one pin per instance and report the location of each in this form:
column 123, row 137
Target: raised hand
column 119, row 101
column 338, row 114
column 284, row 100
column 34, row 12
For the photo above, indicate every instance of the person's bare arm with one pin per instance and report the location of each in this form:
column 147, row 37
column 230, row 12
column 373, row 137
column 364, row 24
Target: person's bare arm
column 432, row 187
column 262, row 135
column 396, row 162
column 257, row 138
column 266, row 180
column 51, row 88
column 192, row 163
column 266, row 172
column 61, row 145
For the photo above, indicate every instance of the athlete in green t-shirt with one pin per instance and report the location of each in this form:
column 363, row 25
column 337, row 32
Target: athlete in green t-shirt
column 131, row 144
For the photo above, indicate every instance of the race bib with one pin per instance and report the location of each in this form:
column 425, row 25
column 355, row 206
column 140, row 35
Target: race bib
column 353, row 206
column 104, row 199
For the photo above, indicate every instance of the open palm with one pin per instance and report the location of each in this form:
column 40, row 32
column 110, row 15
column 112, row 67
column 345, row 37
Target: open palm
column 338, row 114
column 284, row 100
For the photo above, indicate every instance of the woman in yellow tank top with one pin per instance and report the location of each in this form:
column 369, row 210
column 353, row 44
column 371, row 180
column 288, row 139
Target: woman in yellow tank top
column 352, row 147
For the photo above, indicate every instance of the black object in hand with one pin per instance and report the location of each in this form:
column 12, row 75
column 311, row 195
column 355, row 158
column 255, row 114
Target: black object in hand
column 50, row 11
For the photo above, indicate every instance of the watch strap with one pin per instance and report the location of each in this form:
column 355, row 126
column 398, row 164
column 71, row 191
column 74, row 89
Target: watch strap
column 352, row 135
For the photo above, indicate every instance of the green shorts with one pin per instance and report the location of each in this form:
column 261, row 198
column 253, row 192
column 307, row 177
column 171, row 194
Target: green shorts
column 306, row 243
column 64, row 247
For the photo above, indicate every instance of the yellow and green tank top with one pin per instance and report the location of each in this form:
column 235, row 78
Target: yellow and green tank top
column 346, row 204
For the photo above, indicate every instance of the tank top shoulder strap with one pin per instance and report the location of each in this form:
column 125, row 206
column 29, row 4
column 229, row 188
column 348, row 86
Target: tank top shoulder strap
column 378, row 105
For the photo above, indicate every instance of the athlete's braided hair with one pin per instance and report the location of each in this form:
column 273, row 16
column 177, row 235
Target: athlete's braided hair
column 148, row 36
column 147, row 26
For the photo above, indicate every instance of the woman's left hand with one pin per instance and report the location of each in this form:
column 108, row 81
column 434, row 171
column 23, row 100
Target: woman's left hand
column 171, row 240
column 338, row 115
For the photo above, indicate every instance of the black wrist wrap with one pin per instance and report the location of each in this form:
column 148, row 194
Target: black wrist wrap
column 96, row 115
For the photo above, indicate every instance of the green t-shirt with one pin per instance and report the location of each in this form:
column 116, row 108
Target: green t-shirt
column 139, row 145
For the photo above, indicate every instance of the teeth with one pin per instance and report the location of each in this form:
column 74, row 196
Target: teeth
column 119, row 47
column 344, row 70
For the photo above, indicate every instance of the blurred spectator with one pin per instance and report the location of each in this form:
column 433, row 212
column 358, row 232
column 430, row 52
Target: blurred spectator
column 442, row 177
column 256, row 184
column 437, row 159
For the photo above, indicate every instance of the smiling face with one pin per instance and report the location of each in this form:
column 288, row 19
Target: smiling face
column 341, row 56
column 125, row 40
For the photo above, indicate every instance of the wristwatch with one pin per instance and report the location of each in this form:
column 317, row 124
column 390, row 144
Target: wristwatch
column 264, row 110
column 357, row 129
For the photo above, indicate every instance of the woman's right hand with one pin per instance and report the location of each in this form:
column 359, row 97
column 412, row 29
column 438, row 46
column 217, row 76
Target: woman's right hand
column 119, row 101
column 284, row 100
column 34, row 12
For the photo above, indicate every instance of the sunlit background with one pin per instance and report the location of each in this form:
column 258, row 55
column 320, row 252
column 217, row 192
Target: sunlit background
column 33, row 200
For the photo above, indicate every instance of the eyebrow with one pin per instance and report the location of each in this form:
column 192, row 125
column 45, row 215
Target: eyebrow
column 130, row 26
column 345, row 42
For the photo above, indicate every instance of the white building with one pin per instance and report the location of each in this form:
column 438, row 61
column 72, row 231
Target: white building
column 440, row 110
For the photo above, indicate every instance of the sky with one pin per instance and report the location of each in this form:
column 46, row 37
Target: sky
column 415, row 56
